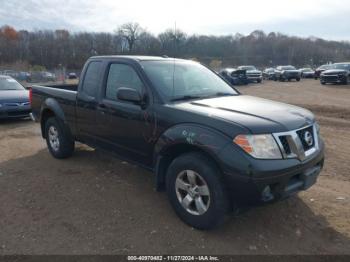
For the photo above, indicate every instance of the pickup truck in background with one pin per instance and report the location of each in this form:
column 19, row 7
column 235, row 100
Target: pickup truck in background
column 211, row 148
column 338, row 73
column 234, row 76
column 253, row 74
column 287, row 73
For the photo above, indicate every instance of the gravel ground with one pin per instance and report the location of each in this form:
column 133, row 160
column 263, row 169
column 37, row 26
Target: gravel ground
column 93, row 203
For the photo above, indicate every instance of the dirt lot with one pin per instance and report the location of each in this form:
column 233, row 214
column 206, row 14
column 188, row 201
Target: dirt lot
column 93, row 203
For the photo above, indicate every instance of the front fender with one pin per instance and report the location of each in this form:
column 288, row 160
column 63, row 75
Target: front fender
column 205, row 138
column 182, row 138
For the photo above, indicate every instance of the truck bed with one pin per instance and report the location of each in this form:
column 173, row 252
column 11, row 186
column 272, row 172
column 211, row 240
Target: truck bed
column 64, row 96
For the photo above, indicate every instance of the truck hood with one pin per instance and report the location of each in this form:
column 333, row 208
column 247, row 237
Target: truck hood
column 253, row 71
column 14, row 96
column 256, row 114
column 291, row 71
column 334, row 71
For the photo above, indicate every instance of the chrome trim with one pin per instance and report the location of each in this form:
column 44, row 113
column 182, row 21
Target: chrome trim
column 32, row 117
column 295, row 144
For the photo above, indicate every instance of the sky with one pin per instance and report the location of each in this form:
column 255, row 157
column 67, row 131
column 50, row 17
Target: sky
column 328, row 19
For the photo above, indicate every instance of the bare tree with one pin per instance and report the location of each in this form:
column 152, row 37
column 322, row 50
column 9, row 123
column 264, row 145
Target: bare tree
column 131, row 33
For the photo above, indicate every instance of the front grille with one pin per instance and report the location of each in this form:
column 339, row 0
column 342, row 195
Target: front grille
column 18, row 113
column 330, row 77
column 253, row 75
column 301, row 133
column 285, row 145
column 15, row 104
column 300, row 143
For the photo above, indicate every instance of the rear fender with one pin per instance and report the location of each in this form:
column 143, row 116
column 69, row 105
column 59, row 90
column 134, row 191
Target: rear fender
column 50, row 107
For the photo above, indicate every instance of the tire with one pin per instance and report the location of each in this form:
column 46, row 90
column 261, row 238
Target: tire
column 298, row 79
column 58, row 139
column 258, row 81
column 323, row 83
column 346, row 81
column 214, row 202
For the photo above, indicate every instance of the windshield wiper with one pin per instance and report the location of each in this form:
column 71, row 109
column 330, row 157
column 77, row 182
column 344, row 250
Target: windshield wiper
column 218, row 94
column 224, row 94
column 186, row 97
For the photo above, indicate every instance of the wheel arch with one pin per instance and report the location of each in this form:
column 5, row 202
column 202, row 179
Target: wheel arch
column 50, row 108
column 184, row 139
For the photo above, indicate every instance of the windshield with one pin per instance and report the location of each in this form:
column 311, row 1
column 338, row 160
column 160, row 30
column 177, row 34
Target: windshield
column 341, row 66
column 306, row 70
column 185, row 79
column 247, row 67
column 287, row 67
column 325, row 67
column 8, row 83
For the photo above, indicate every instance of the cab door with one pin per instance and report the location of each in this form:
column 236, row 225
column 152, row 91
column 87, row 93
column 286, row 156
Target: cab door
column 124, row 125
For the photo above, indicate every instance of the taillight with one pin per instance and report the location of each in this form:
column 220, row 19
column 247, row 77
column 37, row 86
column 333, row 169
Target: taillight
column 30, row 95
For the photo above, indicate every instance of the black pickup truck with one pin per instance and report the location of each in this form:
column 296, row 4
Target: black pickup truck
column 211, row 148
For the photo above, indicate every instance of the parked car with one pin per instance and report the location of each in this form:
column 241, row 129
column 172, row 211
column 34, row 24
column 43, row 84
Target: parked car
column 24, row 76
column 10, row 73
column 48, row 76
column 307, row 73
column 72, row 76
column 320, row 69
column 234, row 76
column 211, row 148
column 253, row 74
column 14, row 99
column 269, row 74
column 339, row 73
column 287, row 72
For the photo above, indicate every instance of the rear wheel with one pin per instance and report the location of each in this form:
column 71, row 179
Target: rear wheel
column 58, row 139
column 298, row 79
column 196, row 191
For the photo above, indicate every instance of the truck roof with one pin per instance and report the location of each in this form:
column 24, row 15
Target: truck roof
column 138, row 58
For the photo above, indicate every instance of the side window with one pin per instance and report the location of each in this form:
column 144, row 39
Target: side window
column 121, row 75
column 91, row 79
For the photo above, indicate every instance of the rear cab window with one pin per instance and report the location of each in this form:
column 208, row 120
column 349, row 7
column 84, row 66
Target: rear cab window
column 92, row 78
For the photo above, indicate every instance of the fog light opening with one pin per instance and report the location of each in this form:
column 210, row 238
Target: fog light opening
column 266, row 194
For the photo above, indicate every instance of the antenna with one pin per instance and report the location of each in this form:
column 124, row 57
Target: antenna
column 175, row 40
column 174, row 60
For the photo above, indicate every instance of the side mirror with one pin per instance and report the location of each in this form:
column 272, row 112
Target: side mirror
column 129, row 94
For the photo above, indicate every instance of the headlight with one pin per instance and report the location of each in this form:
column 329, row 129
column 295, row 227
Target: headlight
column 259, row 146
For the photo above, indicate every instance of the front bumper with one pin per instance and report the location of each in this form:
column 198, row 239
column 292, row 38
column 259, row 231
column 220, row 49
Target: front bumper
column 261, row 181
column 291, row 76
column 22, row 112
column 253, row 78
column 333, row 78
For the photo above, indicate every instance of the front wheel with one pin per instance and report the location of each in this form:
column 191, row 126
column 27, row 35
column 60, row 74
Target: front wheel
column 298, row 79
column 196, row 191
column 58, row 139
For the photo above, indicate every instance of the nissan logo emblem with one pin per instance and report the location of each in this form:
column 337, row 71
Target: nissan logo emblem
column 308, row 138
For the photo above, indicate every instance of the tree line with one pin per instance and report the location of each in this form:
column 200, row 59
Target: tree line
column 61, row 48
